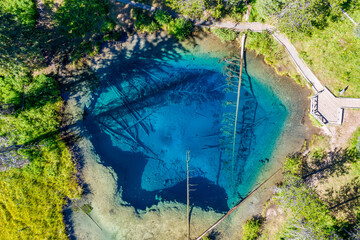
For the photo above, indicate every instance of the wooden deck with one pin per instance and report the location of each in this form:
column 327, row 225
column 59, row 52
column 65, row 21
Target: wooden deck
column 325, row 107
column 328, row 109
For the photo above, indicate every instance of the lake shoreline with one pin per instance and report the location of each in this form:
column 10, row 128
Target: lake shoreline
column 90, row 166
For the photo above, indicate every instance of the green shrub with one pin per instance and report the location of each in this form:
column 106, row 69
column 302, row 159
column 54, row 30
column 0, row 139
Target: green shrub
column 225, row 34
column 307, row 215
column 81, row 17
column 143, row 22
column 292, row 165
column 192, row 8
column 162, row 17
column 179, row 28
column 195, row 9
column 24, row 10
column 251, row 229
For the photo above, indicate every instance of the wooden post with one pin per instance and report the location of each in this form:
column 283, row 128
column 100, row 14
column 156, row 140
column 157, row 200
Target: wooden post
column 234, row 208
column 187, row 195
column 237, row 104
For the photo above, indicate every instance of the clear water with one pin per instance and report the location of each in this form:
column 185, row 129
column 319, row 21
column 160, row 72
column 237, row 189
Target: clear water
column 147, row 114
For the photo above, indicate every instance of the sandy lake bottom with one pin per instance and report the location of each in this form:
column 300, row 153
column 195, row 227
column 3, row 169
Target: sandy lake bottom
column 156, row 100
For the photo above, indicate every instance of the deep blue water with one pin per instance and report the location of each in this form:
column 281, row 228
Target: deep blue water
column 148, row 112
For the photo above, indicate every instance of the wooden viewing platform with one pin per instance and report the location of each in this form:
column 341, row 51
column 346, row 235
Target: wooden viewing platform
column 325, row 107
column 328, row 109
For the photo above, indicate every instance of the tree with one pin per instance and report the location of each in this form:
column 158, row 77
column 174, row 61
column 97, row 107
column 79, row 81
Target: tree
column 269, row 8
column 251, row 229
column 296, row 16
column 19, row 49
column 308, row 218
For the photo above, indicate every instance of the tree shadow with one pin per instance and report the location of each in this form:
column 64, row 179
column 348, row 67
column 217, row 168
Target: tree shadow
column 345, row 200
column 322, row 165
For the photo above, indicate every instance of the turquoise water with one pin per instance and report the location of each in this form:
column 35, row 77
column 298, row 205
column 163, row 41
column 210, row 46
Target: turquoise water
column 149, row 111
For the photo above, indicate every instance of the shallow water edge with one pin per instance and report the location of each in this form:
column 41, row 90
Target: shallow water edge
column 161, row 221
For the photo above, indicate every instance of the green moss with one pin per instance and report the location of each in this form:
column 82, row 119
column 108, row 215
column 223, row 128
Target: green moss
column 87, row 208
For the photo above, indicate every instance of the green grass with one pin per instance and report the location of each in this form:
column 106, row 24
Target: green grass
column 274, row 54
column 355, row 140
column 314, row 121
column 333, row 54
column 31, row 198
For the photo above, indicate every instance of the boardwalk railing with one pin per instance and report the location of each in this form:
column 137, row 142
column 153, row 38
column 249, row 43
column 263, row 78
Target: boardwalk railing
column 314, row 109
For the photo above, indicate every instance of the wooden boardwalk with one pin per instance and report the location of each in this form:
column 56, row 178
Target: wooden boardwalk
column 325, row 107
column 328, row 109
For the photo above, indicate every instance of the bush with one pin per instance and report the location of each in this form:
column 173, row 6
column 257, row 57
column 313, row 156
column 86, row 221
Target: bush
column 293, row 164
column 80, row 17
column 143, row 22
column 251, row 229
column 162, row 17
column 225, row 34
column 179, row 28
column 24, row 10
column 307, row 215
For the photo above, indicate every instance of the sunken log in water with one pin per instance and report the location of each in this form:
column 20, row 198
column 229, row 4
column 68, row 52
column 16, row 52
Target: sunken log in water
column 147, row 113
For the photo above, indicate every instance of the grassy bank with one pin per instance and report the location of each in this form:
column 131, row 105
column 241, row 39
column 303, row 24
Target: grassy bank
column 333, row 54
column 32, row 196
column 274, row 54
column 324, row 37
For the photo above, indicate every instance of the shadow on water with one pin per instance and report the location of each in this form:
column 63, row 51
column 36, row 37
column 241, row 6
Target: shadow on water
column 129, row 167
column 205, row 194
column 128, row 72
